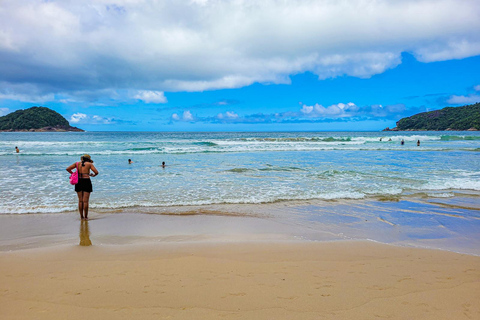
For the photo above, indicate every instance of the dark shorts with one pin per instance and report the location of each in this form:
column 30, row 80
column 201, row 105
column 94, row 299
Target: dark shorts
column 84, row 185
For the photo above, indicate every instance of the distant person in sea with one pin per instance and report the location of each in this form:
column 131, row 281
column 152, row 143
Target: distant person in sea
column 130, row 161
column 17, row 150
column 163, row 164
column 390, row 139
column 418, row 143
column 402, row 142
column 84, row 186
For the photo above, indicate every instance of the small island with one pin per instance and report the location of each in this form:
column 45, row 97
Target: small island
column 466, row 118
column 35, row 119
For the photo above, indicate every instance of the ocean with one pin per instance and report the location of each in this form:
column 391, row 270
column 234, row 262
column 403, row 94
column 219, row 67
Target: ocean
column 235, row 168
column 313, row 186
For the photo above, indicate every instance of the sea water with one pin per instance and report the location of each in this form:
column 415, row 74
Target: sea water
column 312, row 186
column 237, row 168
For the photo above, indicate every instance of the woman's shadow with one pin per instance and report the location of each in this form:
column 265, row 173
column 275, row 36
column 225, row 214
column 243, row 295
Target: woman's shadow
column 84, row 234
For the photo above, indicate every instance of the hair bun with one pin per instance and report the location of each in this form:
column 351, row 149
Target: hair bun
column 86, row 157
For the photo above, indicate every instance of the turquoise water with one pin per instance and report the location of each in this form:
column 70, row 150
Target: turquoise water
column 237, row 168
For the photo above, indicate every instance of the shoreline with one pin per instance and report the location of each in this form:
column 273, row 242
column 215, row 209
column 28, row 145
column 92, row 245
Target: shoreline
column 442, row 224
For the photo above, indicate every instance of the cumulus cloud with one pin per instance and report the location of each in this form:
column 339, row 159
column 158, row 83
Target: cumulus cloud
column 336, row 110
column 82, row 118
column 187, row 116
column 23, row 92
column 151, row 96
column 466, row 99
column 311, row 114
column 453, row 49
column 4, row 111
column 78, row 117
column 102, row 120
column 27, row 97
column 469, row 99
column 67, row 47
column 229, row 115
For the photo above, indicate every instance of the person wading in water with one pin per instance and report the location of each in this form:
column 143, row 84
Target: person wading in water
column 84, row 186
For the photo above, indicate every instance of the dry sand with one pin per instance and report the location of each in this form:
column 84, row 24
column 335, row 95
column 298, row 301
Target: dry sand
column 336, row 280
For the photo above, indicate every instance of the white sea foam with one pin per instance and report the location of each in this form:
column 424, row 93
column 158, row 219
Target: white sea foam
column 455, row 184
column 441, row 194
column 167, row 145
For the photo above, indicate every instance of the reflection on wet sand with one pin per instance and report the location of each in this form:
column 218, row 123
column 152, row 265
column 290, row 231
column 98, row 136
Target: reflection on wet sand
column 85, row 234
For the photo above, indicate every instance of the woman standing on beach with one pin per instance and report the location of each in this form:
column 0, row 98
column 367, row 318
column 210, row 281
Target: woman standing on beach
column 84, row 185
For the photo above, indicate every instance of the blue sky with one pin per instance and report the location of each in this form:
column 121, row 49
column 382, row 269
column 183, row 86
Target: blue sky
column 272, row 65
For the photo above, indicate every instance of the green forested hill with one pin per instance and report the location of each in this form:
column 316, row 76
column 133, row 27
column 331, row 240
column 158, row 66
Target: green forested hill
column 35, row 119
column 450, row 118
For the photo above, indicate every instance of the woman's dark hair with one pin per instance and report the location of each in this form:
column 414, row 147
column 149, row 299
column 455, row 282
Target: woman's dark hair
column 85, row 160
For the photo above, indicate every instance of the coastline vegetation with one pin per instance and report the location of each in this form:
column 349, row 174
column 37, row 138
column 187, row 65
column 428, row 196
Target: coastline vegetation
column 35, row 119
column 447, row 119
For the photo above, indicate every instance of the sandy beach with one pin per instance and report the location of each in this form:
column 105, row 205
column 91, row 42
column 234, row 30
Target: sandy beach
column 301, row 262
column 255, row 280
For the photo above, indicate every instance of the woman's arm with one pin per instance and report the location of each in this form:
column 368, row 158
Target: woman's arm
column 92, row 167
column 70, row 168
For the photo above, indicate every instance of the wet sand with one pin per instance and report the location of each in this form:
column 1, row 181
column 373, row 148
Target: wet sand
column 254, row 280
column 450, row 224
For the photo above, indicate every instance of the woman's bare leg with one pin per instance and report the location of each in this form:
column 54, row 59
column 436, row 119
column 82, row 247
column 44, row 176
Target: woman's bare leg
column 86, row 198
column 80, row 203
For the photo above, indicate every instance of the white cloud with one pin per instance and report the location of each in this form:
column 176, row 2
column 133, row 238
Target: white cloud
column 4, row 111
column 187, row 116
column 90, row 119
column 476, row 88
column 171, row 45
column 102, row 120
column 335, row 110
column 470, row 99
column 362, row 65
column 310, row 114
column 78, row 117
column 27, row 97
column 151, row 96
column 456, row 49
column 306, row 109
column 229, row 115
